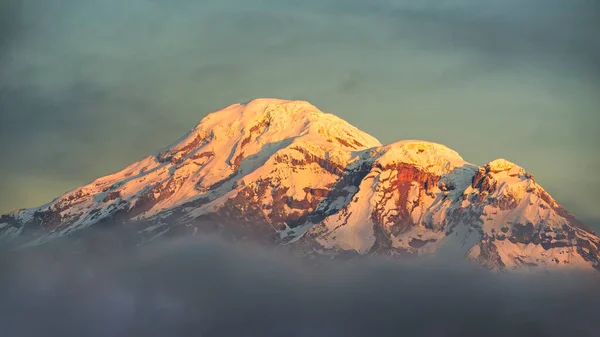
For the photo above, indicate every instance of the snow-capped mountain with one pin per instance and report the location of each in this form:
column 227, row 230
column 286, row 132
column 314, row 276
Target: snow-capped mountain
column 283, row 172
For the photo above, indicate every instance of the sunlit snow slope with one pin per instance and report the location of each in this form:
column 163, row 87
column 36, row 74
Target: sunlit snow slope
column 283, row 172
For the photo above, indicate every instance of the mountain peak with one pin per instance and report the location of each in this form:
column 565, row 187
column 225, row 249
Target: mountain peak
column 504, row 167
column 243, row 129
column 276, row 109
column 501, row 164
column 279, row 113
column 432, row 157
column 284, row 172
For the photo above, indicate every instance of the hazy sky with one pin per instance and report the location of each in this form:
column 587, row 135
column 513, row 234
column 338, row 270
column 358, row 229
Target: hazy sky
column 89, row 86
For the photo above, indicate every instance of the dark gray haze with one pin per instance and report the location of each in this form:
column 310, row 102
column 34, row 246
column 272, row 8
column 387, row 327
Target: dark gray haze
column 89, row 86
column 205, row 287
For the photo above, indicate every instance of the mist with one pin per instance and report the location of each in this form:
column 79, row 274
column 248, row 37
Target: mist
column 208, row 287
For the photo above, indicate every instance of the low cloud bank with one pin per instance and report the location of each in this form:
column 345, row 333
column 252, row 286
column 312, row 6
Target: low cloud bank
column 205, row 287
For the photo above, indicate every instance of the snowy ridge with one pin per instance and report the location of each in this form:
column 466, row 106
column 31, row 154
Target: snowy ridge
column 283, row 172
column 430, row 157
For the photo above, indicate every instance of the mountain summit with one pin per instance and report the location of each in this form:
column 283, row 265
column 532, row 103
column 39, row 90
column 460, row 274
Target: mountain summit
column 283, row 172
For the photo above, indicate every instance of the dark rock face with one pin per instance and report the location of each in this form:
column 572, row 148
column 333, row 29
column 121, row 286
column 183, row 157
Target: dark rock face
column 407, row 177
column 417, row 243
column 523, row 233
column 176, row 156
column 488, row 256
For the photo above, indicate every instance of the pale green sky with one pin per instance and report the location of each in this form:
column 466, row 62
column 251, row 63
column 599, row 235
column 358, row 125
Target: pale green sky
column 89, row 86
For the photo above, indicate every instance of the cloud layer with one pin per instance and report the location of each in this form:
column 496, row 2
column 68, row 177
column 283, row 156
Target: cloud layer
column 86, row 87
column 210, row 288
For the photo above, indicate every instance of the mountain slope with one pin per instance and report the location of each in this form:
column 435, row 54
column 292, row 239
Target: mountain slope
column 283, row 172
